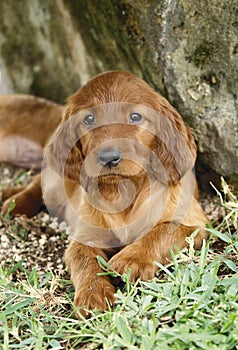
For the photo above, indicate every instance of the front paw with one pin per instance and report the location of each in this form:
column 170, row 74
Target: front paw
column 141, row 266
column 96, row 294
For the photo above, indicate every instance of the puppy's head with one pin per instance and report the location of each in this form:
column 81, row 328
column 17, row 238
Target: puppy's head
column 116, row 126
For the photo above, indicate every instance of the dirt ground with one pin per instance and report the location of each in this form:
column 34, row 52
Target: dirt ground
column 40, row 242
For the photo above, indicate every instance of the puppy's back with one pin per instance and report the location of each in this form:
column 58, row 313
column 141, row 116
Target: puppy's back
column 29, row 116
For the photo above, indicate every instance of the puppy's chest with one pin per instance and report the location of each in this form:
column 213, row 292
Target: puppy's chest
column 130, row 208
column 113, row 219
column 112, row 226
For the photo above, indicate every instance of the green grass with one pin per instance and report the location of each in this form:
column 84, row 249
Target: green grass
column 191, row 304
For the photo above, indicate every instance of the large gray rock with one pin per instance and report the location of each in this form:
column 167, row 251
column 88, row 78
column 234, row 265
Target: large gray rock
column 186, row 49
column 201, row 77
column 40, row 49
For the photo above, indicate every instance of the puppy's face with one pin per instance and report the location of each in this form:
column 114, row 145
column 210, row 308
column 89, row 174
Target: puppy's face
column 115, row 140
column 115, row 127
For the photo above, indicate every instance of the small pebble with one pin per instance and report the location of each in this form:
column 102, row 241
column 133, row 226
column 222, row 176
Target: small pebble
column 54, row 225
column 4, row 239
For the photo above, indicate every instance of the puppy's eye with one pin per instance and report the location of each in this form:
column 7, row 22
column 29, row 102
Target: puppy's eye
column 89, row 119
column 135, row 118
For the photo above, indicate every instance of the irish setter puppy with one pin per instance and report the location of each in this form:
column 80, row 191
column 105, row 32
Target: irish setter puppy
column 26, row 123
column 118, row 168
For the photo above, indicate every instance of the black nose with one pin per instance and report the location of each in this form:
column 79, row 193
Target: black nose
column 109, row 157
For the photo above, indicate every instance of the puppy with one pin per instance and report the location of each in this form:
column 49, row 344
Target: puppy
column 119, row 169
column 26, row 123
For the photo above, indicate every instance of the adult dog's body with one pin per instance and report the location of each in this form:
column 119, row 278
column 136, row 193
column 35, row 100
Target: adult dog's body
column 120, row 172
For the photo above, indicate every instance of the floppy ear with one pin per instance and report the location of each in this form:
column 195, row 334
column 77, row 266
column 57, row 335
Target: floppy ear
column 174, row 150
column 63, row 153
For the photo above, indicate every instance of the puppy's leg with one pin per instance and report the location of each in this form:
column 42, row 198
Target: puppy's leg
column 154, row 246
column 27, row 200
column 10, row 191
column 91, row 291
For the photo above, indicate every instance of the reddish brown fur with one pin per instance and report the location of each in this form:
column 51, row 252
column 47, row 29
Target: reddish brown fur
column 90, row 289
column 32, row 117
